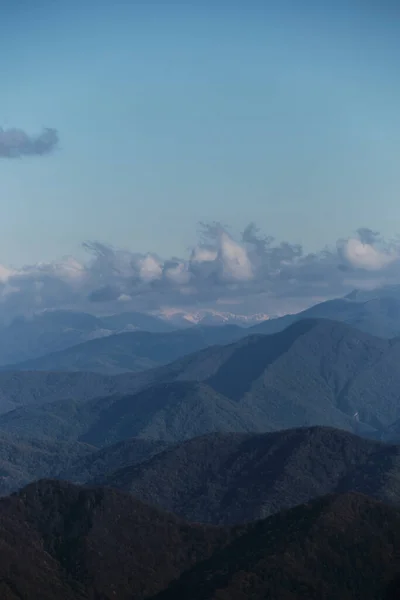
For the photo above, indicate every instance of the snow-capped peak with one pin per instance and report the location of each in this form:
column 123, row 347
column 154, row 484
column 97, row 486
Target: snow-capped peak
column 208, row 316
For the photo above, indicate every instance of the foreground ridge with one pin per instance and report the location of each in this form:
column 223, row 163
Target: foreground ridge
column 60, row 541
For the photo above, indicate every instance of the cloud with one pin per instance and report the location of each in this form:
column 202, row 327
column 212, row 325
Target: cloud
column 16, row 143
column 366, row 256
column 235, row 261
column 253, row 271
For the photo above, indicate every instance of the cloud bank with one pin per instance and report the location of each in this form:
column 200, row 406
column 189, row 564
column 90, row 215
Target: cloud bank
column 16, row 143
column 253, row 271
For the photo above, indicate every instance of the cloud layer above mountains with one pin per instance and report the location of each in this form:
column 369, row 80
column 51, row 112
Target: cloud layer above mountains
column 16, row 143
column 254, row 271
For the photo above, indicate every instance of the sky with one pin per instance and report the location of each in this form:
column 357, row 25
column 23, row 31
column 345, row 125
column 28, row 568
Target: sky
column 123, row 125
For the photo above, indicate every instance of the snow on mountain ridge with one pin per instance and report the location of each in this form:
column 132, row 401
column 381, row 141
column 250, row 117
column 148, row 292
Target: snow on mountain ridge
column 209, row 317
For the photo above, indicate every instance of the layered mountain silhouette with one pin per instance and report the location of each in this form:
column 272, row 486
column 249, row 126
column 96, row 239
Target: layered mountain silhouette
column 68, row 341
column 130, row 351
column 234, row 478
column 63, row 542
column 315, row 372
column 169, row 412
column 217, row 478
column 49, row 331
column 98, row 463
column 38, row 337
column 377, row 314
column 24, row 388
column 338, row 547
column 24, row 460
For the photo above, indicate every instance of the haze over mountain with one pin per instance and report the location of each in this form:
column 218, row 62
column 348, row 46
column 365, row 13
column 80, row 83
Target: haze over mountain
column 22, row 388
column 139, row 350
column 181, row 317
column 195, row 313
column 378, row 314
column 169, row 412
column 27, row 338
column 316, row 372
column 131, row 351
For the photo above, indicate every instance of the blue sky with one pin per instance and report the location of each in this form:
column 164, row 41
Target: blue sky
column 173, row 113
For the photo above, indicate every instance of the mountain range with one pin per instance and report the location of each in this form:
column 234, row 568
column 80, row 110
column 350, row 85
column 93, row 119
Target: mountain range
column 23, row 460
column 49, row 331
column 184, row 318
column 315, row 372
column 280, row 441
column 377, row 315
column 217, row 478
column 337, row 547
column 234, row 478
column 88, row 465
column 112, row 345
column 63, row 542
column 22, row 388
column 130, row 351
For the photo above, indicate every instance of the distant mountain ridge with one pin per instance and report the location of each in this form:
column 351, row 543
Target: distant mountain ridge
column 316, row 372
column 209, row 316
column 379, row 316
column 23, row 388
column 130, row 351
column 114, row 344
column 27, row 338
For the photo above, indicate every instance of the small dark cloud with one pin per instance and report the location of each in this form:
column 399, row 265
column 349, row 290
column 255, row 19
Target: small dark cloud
column 368, row 236
column 16, row 143
column 104, row 294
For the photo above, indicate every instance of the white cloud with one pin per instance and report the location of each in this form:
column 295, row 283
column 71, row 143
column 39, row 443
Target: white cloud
column 366, row 256
column 149, row 268
column 5, row 274
column 251, row 271
column 179, row 274
column 201, row 254
column 236, row 264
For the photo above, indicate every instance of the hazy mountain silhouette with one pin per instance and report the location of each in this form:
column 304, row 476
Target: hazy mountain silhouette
column 169, row 412
column 22, row 388
column 377, row 315
column 316, row 372
column 131, row 351
column 33, row 341
column 54, row 330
